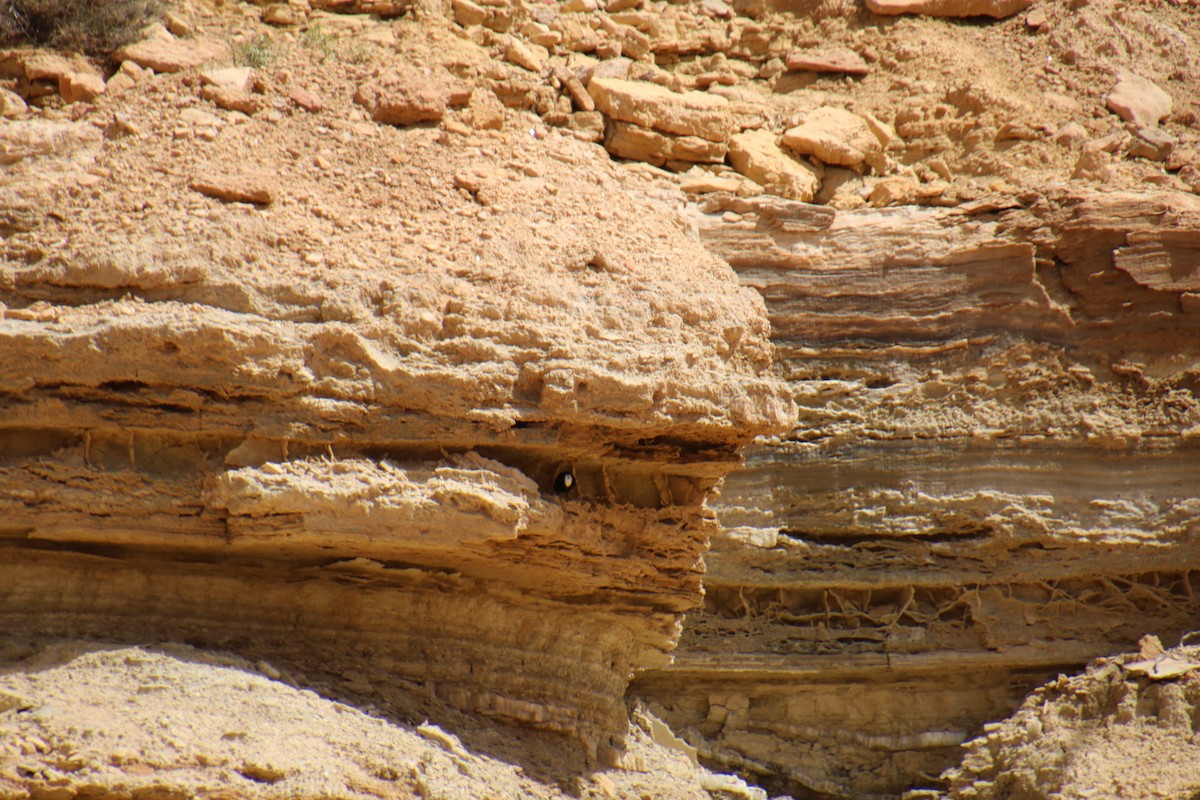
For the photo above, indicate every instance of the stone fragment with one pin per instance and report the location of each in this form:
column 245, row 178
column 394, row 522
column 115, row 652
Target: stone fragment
column 487, row 112
column 836, row 136
column 232, row 99
column 1154, row 144
column 1071, row 135
column 530, row 56
column 1093, row 164
column 588, row 126
column 236, row 78
column 950, row 8
column 834, row 59
column 283, row 15
column 717, row 9
column 467, row 13
column 1035, row 19
column 894, row 191
column 579, row 94
column 165, row 53
column 617, row 6
column 648, row 105
column 1017, row 131
column 241, row 188
column 11, row 104
column 306, row 99
column 756, row 155
column 78, row 87
column 178, row 24
column 884, row 132
column 35, row 138
column 403, row 96
column 43, row 66
column 119, row 82
column 1138, row 100
column 626, row 140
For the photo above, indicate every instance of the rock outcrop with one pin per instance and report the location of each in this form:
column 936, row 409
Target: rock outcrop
column 990, row 482
column 364, row 422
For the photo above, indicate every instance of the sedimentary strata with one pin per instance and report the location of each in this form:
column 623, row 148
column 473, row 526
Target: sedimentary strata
column 991, row 480
column 328, row 427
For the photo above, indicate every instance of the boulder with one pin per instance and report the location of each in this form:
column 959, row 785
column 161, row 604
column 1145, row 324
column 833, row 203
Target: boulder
column 409, row 96
column 836, row 136
column 165, row 53
column 756, row 155
column 626, row 140
column 1138, row 100
column 648, row 105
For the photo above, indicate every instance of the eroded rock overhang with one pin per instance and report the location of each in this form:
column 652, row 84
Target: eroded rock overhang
column 333, row 432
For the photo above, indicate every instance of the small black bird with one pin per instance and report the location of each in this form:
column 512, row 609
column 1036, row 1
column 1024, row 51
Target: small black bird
column 564, row 482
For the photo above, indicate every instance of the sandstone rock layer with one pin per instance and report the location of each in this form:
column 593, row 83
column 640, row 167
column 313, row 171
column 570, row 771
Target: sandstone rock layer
column 369, row 427
column 991, row 480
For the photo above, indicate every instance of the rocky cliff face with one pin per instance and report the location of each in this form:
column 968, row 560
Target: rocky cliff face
column 395, row 356
column 433, row 410
column 992, row 480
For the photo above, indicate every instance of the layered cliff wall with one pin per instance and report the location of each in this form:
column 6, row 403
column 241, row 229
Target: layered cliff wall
column 429, row 408
column 992, row 479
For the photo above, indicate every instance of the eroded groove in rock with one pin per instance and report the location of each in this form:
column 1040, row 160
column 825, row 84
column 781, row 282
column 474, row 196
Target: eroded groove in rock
column 991, row 480
column 343, row 448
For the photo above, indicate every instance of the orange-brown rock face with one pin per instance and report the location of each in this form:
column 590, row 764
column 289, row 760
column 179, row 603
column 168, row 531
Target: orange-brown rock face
column 992, row 479
column 432, row 409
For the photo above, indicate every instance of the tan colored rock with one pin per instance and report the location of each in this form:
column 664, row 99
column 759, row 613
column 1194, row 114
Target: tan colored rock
column 833, row 59
column 235, row 187
column 468, row 13
column 1153, row 144
column 26, row 139
column 307, row 100
column 836, row 136
column 1094, row 164
column 950, row 8
column 404, row 96
column 588, row 126
column 626, row 140
column 45, row 66
column 165, row 53
column 756, row 155
column 1071, row 134
column 283, row 15
column 894, row 191
column 178, row 24
column 11, row 104
column 232, row 99
column 1138, row 100
column 651, row 106
column 236, row 78
column 487, row 112
column 80, row 87
column 532, row 57
column 579, row 94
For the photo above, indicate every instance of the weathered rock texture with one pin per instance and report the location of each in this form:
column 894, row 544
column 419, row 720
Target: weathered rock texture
column 329, row 428
column 1085, row 735
column 992, row 479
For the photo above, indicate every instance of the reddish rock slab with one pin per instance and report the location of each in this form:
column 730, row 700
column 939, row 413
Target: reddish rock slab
column 950, row 8
column 163, row 54
column 837, row 59
column 234, row 188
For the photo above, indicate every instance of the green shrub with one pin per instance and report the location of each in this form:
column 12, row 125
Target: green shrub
column 96, row 27
column 255, row 53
